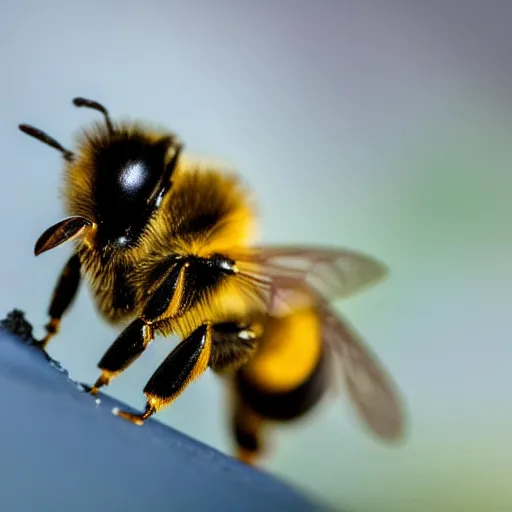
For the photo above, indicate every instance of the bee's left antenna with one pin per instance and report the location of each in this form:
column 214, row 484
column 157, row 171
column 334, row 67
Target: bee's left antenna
column 44, row 137
column 83, row 102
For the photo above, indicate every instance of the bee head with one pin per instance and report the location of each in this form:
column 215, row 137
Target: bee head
column 131, row 176
column 122, row 176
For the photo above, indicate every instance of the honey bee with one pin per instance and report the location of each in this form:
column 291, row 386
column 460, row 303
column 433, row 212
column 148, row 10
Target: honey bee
column 168, row 247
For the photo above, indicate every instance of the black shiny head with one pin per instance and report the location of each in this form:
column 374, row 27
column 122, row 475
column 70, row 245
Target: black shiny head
column 132, row 174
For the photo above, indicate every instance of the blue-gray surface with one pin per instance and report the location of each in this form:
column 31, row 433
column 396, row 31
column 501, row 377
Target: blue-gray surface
column 63, row 452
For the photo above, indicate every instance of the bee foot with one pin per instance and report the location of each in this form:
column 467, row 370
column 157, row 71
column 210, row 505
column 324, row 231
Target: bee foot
column 247, row 457
column 138, row 419
column 91, row 390
column 41, row 344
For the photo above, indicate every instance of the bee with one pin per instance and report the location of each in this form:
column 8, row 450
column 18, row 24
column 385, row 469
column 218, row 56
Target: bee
column 168, row 247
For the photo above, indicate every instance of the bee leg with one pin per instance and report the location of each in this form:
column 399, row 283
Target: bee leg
column 183, row 365
column 63, row 296
column 129, row 345
column 247, row 432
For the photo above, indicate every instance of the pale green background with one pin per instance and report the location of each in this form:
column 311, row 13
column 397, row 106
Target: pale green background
column 382, row 126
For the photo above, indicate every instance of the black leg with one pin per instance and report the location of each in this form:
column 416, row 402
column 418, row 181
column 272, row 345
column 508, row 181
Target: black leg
column 63, row 296
column 183, row 365
column 130, row 344
column 246, row 428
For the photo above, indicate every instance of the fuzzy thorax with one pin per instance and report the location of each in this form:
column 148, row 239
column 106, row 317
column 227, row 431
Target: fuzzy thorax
column 204, row 211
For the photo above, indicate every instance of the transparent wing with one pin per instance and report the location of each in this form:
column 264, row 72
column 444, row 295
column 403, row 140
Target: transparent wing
column 334, row 273
column 371, row 390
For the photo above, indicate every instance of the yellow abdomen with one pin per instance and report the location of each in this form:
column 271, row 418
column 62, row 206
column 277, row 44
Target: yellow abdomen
column 290, row 351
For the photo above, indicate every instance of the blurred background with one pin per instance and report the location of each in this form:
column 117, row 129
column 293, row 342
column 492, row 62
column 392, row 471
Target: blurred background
column 381, row 126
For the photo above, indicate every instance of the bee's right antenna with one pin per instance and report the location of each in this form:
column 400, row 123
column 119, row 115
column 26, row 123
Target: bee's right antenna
column 83, row 102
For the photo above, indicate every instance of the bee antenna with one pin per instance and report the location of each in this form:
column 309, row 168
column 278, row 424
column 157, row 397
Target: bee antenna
column 83, row 102
column 44, row 137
